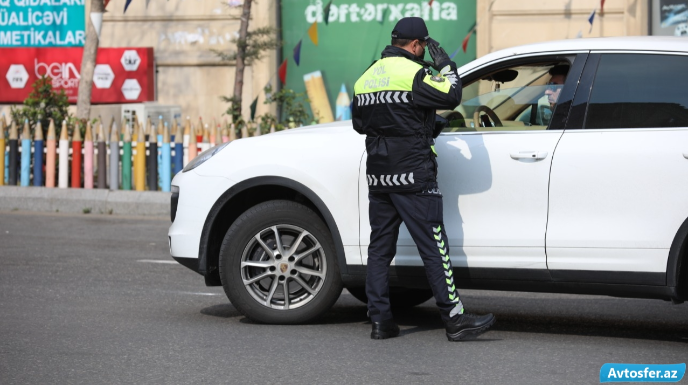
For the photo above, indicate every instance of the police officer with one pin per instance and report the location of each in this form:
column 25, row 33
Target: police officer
column 394, row 105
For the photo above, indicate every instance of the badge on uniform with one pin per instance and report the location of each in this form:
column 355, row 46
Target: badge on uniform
column 437, row 78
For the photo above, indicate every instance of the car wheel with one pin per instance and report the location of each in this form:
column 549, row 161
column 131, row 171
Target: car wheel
column 278, row 264
column 400, row 297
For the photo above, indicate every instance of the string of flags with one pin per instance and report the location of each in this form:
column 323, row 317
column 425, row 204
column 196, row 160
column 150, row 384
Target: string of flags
column 591, row 17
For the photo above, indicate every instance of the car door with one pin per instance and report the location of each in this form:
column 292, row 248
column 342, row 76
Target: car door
column 619, row 178
column 494, row 177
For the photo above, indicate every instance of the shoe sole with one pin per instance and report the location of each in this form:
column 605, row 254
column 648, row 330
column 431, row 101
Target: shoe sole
column 470, row 333
column 383, row 335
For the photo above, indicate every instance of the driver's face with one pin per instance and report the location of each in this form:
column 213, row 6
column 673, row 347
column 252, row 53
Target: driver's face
column 553, row 88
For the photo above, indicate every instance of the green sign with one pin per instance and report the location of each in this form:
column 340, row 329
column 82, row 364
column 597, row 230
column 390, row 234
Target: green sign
column 42, row 23
column 357, row 32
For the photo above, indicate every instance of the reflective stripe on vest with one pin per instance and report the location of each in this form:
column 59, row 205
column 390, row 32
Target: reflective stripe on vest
column 383, row 97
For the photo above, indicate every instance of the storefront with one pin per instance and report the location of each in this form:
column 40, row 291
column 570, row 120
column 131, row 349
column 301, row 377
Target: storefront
column 668, row 18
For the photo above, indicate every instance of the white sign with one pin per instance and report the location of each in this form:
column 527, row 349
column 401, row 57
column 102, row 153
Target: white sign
column 131, row 89
column 368, row 12
column 17, row 76
column 103, row 76
column 130, row 60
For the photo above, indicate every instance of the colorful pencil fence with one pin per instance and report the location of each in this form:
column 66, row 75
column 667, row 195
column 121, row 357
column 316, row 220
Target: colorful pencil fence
column 137, row 157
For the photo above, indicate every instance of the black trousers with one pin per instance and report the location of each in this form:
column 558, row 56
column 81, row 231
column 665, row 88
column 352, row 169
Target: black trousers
column 423, row 216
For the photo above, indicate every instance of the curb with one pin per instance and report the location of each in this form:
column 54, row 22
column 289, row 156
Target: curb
column 100, row 201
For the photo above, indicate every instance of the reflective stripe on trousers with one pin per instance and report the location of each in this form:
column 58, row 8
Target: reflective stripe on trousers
column 423, row 216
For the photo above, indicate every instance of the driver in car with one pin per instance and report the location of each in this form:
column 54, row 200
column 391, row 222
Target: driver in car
column 555, row 84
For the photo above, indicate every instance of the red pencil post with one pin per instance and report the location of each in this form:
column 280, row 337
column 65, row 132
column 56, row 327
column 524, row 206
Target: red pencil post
column 76, row 158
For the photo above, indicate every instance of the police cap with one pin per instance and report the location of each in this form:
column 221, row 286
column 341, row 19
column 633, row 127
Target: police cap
column 410, row 28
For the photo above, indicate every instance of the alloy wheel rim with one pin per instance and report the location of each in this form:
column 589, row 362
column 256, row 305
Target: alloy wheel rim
column 283, row 260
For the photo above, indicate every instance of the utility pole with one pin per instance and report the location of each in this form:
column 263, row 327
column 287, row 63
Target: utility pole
column 88, row 60
column 241, row 50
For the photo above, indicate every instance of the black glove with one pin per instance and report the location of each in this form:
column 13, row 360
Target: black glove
column 439, row 55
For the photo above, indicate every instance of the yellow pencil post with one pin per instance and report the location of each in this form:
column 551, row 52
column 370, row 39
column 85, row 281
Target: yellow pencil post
column 135, row 131
column 140, row 163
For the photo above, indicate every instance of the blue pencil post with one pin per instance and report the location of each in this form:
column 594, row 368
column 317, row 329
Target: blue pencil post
column 38, row 155
column 165, row 161
column 25, row 170
column 179, row 150
column 159, row 141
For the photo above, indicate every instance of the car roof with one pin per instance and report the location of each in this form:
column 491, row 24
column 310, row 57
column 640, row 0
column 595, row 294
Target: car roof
column 625, row 43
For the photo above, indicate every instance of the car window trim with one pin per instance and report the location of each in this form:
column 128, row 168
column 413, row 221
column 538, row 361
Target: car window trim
column 565, row 100
column 578, row 111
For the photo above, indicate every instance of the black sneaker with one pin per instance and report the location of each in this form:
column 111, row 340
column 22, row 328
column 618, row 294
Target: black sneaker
column 468, row 326
column 384, row 330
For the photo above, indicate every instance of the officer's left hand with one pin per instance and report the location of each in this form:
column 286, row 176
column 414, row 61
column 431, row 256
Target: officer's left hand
column 439, row 55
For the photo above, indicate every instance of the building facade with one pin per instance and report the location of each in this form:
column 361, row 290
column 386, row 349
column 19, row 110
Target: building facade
column 185, row 33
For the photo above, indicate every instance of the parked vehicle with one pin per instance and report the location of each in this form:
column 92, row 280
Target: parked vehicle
column 583, row 192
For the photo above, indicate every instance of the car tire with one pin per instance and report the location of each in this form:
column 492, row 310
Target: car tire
column 683, row 278
column 399, row 297
column 256, row 272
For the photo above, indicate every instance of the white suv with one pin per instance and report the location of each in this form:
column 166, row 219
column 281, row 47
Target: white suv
column 576, row 186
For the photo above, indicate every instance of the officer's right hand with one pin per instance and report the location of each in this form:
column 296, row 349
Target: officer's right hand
column 439, row 55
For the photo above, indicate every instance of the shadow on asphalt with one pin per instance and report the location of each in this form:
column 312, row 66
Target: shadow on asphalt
column 563, row 321
column 225, row 310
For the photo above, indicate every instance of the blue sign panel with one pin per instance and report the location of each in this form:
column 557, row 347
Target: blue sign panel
column 42, row 23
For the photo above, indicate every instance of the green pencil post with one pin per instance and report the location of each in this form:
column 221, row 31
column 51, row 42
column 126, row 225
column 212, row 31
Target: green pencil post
column 127, row 165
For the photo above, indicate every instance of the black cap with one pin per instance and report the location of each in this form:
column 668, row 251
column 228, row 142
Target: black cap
column 410, row 28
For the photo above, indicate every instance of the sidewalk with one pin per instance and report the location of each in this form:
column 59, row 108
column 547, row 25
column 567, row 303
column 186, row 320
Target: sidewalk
column 99, row 201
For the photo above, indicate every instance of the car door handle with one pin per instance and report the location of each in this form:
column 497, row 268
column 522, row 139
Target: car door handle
column 685, row 154
column 530, row 154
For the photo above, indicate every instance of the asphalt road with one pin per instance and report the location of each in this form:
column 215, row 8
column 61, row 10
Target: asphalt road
column 89, row 299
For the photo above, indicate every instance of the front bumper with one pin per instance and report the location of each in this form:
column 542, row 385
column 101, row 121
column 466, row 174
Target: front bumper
column 194, row 200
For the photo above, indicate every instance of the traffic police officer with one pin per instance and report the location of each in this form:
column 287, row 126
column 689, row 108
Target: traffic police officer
column 394, row 105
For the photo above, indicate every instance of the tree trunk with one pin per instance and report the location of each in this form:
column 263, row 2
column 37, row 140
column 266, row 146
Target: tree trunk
column 239, row 61
column 88, row 63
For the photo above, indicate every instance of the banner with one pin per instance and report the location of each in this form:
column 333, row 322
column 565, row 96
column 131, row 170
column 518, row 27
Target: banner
column 42, row 23
column 669, row 17
column 122, row 75
column 354, row 33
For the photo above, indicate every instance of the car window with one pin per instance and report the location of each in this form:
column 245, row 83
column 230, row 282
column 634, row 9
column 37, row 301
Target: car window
column 639, row 91
column 514, row 98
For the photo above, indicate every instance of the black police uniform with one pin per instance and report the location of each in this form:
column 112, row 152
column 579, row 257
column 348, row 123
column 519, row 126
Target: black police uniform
column 394, row 105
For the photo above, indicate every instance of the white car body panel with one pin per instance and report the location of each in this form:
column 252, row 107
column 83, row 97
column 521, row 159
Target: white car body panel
column 290, row 155
column 494, row 207
column 194, row 203
column 607, row 187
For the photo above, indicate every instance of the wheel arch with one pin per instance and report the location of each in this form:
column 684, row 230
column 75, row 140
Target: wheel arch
column 242, row 196
column 678, row 264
